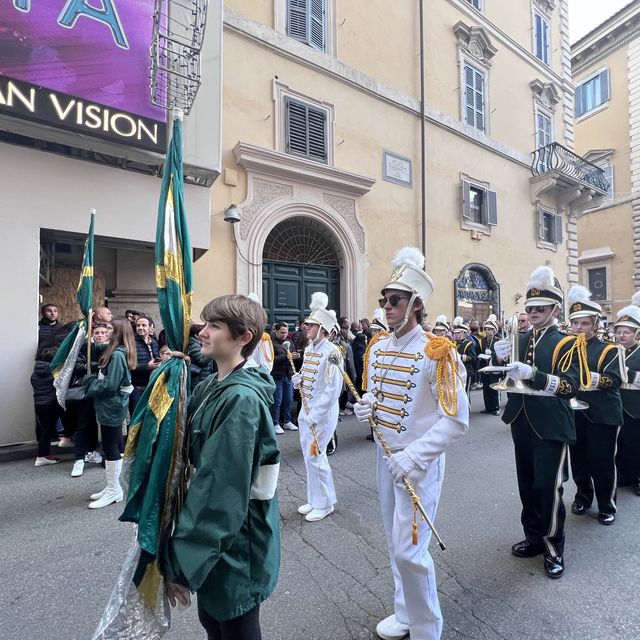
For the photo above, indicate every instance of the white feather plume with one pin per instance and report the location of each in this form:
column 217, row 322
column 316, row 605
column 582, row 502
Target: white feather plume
column 632, row 310
column 635, row 300
column 492, row 318
column 541, row 278
column 253, row 296
column 378, row 314
column 409, row 255
column 457, row 321
column 578, row 293
column 442, row 320
column 319, row 300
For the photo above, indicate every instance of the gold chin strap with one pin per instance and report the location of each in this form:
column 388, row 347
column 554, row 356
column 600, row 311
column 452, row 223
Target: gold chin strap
column 439, row 348
column 579, row 347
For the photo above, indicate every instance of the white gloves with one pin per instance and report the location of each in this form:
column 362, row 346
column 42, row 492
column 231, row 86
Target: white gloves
column 363, row 409
column 465, row 357
column 485, row 356
column 595, row 381
column 520, row 371
column 400, row 464
column 296, row 379
column 502, row 349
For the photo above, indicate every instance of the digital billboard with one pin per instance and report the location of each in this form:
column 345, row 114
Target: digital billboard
column 81, row 65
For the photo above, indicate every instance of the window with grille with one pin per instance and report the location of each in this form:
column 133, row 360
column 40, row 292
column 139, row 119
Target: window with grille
column 592, row 93
column 541, row 37
column 474, row 97
column 305, row 130
column 306, row 22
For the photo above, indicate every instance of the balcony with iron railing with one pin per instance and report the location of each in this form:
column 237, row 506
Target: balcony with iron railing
column 568, row 170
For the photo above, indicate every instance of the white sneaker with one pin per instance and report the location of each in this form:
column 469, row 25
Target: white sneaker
column 391, row 629
column 348, row 412
column 42, row 461
column 93, row 456
column 278, row 429
column 65, row 442
column 289, row 426
column 305, row 508
column 349, row 405
column 78, row 468
column 318, row 514
column 342, row 412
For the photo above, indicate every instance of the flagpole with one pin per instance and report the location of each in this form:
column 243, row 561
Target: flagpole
column 92, row 212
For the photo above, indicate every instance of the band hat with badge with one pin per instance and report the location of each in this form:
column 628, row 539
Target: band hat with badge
column 629, row 316
column 460, row 325
column 580, row 303
column 491, row 322
column 409, row 275
column 543, row 288
column 320, row 315
column 379, row 321
column 442, row 322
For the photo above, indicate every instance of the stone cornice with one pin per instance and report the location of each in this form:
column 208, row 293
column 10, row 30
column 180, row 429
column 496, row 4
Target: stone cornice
column 546, row 93
column 285, row 166
column 475, row 41
column 595, row 54
column 545, row 6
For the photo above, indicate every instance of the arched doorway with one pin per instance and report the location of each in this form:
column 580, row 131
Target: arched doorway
column 477, row 293
column 300, row 255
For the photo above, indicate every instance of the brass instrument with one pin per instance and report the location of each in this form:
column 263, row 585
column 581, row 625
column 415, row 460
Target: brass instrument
column 518, row 386
column 334, row 358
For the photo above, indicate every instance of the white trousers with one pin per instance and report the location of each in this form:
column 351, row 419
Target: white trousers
column 416, row 597
column 321, row 493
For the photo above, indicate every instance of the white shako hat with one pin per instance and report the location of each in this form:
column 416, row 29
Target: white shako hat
column 379, row 322
column 442, row 323
column 409, row 275
column 460, row 325
column 630, row 316
column 320, row 315
column 543, row 288
column 491, row 322
column 580, row 304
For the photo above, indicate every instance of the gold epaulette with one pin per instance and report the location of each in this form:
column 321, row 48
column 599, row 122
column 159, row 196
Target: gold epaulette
column 604, row 354
column 558, row 348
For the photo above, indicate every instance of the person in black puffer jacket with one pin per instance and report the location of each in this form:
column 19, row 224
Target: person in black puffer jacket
column 47, row 409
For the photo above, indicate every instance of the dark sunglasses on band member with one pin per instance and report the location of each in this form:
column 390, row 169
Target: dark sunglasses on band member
column 539, row 308
column 392, row 300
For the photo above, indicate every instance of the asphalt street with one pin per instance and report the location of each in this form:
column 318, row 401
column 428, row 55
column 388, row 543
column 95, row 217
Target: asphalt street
column 59, row 560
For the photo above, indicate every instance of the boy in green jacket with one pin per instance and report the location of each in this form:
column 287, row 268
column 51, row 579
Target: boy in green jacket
column 226, row 545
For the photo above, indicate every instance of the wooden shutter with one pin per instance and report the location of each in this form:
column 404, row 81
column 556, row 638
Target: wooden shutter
column 317, row 24
column 466, row 200
column 468, row 96
column 557, row 229
column 317, row 131
column 492, row 208
column 296, row 127
column 297, row 24
column 579, row 100
column 541, row 224
column 604, row 86
column 479, row 91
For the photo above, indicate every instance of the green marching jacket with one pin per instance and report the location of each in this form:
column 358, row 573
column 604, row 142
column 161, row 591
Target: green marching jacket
column 110, row 393
column 605, row 406
column 631, row 397
column 551, row 417
column 226, row 545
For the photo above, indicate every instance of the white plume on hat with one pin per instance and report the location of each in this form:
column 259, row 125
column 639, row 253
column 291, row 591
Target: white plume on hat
column 578, row 293
column 632, row 311
column 491, row 318
column 253, row 296
column 409, row 255
column 541, row 278
column 442, row 319
column 378, row 314
column 319, row 300
column 457, row 321
column 635, row 300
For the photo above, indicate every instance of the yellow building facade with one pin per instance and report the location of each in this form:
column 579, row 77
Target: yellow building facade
column 606, row 74
column 323, row 133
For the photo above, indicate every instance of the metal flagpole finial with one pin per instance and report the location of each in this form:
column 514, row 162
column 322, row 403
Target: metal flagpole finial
column 92, row 212
column 177, row 114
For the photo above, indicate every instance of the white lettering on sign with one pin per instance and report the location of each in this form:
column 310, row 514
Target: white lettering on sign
column 12, row 91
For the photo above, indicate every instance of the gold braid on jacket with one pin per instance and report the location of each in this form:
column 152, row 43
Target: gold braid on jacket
column 579, row 347
column 441, row 349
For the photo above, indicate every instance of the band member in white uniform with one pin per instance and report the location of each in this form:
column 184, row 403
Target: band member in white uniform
column 263, row 353
column 320, row 384
column 421, row 411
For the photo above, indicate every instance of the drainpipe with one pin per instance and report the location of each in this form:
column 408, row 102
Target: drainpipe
column 423, row 137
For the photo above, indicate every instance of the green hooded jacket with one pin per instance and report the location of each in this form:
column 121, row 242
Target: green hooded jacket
column 226, row 545
column 110, row 401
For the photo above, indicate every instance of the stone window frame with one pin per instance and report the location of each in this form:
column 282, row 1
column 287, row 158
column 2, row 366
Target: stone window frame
column 596, row 262
column 466, row 224
column 331, row 31
column 540, row 210
column 537, row 8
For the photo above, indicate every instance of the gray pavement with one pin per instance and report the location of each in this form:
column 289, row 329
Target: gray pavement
column 59, row 561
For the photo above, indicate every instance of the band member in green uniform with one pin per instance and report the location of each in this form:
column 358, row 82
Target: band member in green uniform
column 467, row 350
column 542, row 425
column 593, row 454
column 627, row 331
column 487, row 357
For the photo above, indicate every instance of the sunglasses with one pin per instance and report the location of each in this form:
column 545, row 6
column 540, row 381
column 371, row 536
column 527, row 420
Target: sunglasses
column 392, row 300
column 538, row 308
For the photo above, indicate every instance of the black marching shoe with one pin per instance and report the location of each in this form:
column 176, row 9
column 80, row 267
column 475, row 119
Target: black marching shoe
column 496, row 413
column 554, row 566
column 578, row 508
column 606, row 518
column 526, row 549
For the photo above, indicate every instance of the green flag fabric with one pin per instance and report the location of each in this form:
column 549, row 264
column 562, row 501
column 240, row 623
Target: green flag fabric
column 64, row 362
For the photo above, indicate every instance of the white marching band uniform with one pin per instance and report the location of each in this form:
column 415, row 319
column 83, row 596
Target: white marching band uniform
column 402, row 385
column 263, row 353
column 321, row 386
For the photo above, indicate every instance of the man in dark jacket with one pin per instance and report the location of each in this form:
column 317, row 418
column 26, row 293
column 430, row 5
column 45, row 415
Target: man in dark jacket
column 148, row 353
column 48, row 322
column 281, row 374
